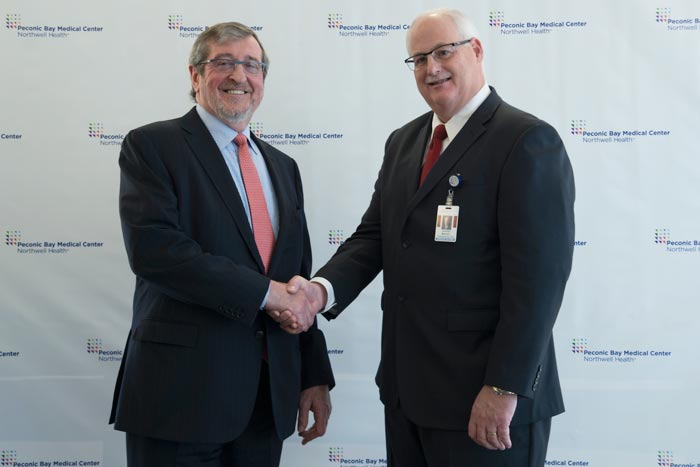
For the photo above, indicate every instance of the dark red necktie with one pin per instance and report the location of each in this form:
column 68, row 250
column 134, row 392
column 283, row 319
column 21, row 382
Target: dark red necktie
column 434, row 149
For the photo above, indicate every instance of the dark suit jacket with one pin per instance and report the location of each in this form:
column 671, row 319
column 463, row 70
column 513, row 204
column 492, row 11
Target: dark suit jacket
column 479, row 311
column 193, row 356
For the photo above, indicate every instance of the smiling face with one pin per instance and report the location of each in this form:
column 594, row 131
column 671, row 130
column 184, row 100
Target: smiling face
column 446, row 86
column 232, row 97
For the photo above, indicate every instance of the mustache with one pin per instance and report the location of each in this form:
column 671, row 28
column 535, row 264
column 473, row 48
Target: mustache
column 430, row 79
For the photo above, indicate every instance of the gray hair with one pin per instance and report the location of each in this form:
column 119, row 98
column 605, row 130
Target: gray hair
column 220, row 34
column 464, row 25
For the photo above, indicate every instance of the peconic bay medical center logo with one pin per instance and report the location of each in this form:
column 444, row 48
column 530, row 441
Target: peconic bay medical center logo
column 616, row 355
column 364, row 28
column 94, row 347
column 14, row 22
column 97, row 132
column 336, row 455
column 672, row 22
column 14, row 240
column 535, row 26
column 188, row 30
column 46, row 455
column 294, row 137
column 614, row 135
column 671, row 244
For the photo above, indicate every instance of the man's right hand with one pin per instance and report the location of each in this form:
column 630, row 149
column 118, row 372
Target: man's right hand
column 294, row 305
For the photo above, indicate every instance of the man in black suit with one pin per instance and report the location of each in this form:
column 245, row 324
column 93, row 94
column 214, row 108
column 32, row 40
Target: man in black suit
column 468, row 374
column 214, row 226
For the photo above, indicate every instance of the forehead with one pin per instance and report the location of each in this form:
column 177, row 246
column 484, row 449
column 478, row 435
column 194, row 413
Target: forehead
column 431, row 31
column 240, row 48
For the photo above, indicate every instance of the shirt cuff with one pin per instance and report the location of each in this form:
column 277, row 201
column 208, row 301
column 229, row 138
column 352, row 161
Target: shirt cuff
column 330, row 303
column 262, row 305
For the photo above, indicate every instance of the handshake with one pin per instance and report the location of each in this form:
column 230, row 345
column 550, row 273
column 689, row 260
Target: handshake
column 294, row 305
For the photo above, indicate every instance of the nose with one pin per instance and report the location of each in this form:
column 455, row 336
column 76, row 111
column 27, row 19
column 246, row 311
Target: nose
column 238, row 74
column 432, row 66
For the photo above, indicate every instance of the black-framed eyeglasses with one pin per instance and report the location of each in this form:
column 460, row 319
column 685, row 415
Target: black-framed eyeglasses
column 441, row 53
column 227, row 65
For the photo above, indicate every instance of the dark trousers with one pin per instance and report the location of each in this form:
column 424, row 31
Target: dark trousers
column 258, row 445
column 409, row 445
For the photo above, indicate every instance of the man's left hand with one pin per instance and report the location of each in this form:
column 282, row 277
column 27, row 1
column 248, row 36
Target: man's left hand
column 316, row 399
column 489, row 424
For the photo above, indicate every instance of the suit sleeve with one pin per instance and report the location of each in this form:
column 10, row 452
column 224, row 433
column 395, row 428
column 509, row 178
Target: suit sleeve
column 161, row 253
column 536, row 230
column 359, row 259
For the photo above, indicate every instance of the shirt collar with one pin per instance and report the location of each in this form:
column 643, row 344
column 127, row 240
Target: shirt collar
column 223, row 134
column 455, row 124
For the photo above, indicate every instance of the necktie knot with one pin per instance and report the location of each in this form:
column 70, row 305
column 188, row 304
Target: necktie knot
column 240, row 140
column 439, row 133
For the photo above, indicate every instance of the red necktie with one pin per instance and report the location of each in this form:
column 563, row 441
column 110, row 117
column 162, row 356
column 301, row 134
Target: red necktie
column 434, row 149
column 262, row 227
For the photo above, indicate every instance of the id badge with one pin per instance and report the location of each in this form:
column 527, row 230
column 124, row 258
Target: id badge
column 446, row 223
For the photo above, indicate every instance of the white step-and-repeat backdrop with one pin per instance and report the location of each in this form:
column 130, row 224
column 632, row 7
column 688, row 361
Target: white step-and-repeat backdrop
column 619, row 80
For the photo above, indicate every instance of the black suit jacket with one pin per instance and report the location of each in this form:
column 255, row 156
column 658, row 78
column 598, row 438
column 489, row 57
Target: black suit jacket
column 478, row 311
column 193, row 356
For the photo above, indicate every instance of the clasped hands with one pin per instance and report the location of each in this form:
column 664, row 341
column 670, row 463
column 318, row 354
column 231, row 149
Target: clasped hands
column 294, row 305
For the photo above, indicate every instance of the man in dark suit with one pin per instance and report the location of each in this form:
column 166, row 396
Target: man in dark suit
column 468, row 375
column 214, row 226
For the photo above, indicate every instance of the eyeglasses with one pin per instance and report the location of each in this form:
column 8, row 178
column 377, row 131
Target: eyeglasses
column 441, row 53
column 227, row 65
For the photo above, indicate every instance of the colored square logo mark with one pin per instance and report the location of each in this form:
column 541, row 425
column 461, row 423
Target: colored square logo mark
column 496, row 19
column 95, row 130
column 13, row 21
column 334, row 20
column 174, row 22
column 578, row 127
column 662, row 236
column 94, row 346
column 579, row 345
column 662, row 15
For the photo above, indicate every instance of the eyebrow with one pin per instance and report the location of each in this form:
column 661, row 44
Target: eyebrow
column 431, row 50
column 231, row 57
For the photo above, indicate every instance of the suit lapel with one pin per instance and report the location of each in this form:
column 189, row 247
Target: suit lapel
column 411, row 163
column 207, row 152
column 458, row 148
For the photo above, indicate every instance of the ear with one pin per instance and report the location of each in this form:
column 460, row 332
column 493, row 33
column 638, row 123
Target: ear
column 478, row 49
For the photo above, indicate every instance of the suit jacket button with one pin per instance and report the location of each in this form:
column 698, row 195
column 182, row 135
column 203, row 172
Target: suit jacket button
column 259, row 334
column 402, row 298
column 405, row 245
